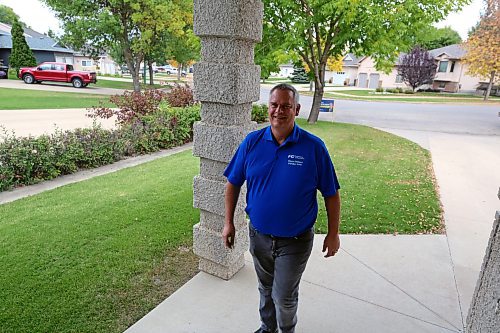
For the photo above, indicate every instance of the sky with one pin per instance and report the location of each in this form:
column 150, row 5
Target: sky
column 40, row 18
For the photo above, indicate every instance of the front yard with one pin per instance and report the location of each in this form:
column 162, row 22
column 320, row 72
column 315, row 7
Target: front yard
column 96, row 256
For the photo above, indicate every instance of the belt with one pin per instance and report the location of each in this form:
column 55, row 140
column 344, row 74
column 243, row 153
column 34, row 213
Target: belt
column 300, row 236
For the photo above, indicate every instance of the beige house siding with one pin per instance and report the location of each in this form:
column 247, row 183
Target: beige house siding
column 82, row 63
column 458, row 80
column 367, row 66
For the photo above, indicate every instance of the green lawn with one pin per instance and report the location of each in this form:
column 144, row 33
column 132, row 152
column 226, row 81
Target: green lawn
column 368, row 95
column 96, row 256
column 103, row 83
column 17, row 99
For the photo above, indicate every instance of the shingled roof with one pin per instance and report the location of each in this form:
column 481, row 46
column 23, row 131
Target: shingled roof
column 455, row 51
column 36, row 41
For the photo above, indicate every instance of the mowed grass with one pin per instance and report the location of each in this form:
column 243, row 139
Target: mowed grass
column 103, row 83
column 18, row 99
column 366, row 95
column 98, row 255
column 387, row 183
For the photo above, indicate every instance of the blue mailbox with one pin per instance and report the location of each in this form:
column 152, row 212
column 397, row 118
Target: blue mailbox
column 326, row 105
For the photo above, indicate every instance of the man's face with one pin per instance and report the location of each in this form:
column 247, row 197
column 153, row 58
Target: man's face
column 282, row 109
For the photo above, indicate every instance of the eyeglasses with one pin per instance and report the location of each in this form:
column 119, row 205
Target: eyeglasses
column 284, row 107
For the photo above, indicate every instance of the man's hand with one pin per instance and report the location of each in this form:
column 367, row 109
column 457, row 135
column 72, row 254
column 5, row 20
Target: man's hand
column 331, row 244
column 228, row 235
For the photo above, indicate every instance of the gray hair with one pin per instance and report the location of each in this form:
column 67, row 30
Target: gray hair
column 289, row 87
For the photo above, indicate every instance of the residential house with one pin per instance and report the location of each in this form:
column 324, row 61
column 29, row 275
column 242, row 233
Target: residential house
column 347, row 76
column 451, row 72
column 44, row 48
column 104, row 65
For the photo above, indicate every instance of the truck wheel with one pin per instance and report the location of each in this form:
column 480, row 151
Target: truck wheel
column 77, row 83
column 28, row 78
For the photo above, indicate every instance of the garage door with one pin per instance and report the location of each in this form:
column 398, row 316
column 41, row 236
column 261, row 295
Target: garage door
column 362, row 80
column 374, row 81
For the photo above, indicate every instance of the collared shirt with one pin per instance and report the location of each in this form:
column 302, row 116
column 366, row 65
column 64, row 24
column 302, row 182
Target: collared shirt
column 282, row 180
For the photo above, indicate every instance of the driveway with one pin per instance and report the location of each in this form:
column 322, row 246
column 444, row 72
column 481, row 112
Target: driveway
column 61, row 87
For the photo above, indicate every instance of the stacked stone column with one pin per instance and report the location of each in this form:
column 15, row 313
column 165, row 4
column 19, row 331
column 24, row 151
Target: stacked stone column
column 226, row 81
column 484, row 312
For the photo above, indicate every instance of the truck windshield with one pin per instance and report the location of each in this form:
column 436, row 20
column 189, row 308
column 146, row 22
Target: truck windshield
column 70, row 67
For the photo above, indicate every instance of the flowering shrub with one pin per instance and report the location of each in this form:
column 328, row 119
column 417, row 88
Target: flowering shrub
column 130, row 106
column 29, row 160
column 180, row 96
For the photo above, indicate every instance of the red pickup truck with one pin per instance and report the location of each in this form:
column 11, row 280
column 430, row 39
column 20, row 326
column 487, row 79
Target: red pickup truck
column 58, row 72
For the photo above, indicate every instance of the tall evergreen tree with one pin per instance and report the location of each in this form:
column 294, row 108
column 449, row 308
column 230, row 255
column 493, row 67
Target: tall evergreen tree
column 21, row 55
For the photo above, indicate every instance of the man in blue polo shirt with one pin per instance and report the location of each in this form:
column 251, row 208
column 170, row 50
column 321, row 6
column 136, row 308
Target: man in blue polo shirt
column 283, row 166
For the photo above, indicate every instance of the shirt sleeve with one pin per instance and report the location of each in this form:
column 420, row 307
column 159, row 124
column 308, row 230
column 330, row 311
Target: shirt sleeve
column 235, row 171
column 328, row 183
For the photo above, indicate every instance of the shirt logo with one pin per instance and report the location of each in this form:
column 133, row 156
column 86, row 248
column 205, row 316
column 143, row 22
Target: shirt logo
column 295, row 160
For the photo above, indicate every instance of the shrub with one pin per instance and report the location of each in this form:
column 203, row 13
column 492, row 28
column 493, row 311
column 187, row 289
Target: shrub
column 409, row 91
column 29, row 160
column 259, row 113
column 130, row 106
column 380, row 89
column 391, row 90
column 399, row 90
column 180, row 96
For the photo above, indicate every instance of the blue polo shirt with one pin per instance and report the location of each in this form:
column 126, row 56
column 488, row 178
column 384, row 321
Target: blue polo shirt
column 282, row 180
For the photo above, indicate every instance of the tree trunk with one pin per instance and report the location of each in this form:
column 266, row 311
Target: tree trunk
column 319, row 90
column 179, row 71
column 151, row 74
column 490, row 84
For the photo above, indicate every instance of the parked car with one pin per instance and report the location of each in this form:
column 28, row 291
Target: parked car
column 56, row 72
column 170, row 70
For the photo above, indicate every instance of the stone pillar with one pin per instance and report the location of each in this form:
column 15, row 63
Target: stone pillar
column 226, row 81
column 484, row 312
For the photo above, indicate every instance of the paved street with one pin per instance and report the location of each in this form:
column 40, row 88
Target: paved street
column 61, row 87
column 474, row 119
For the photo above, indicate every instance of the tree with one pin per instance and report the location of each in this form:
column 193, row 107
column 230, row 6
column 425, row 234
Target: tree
column 299, row 75
column 417, row 68
column 269, row 54
column 8, row 16
column 319, row 29
column 431, row 37
column 131, row 25
column 483, row 46
column 21, row 55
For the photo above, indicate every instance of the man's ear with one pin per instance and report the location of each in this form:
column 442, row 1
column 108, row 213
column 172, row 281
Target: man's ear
column 297, row 109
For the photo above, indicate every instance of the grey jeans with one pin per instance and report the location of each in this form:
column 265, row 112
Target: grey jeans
column 279, row 264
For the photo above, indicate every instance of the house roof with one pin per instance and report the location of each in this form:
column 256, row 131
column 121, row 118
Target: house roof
column 455, row 51
column 35, row 40
column 350, row 59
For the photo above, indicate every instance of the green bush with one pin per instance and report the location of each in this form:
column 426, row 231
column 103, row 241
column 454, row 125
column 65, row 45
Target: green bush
column 259, row 113
column 30, row 160
column 409, row 91
column 400, row 90
column 12, row 74
column 380, row 89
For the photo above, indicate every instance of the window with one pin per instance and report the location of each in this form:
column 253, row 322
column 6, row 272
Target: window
column 442, row 85
column 399, row 79
column 86, row 63
column 59, row 67
column 340, row 73
column 70, row 67
column 46, row 67
column 443, row 66
column 452, row 66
